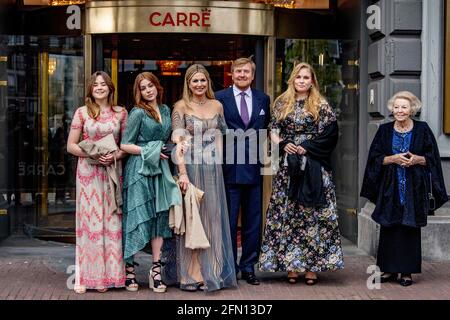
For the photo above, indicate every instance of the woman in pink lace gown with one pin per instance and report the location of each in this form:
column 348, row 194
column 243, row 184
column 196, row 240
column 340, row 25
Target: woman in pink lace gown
column 99, row 258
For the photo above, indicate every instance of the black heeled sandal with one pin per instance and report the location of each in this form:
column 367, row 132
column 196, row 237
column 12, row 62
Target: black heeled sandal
column 156, row 284
column 189, row 287
column 201, row 286
column 192, row 287
column 311, row 281
column 130, row 281
column 292, row 279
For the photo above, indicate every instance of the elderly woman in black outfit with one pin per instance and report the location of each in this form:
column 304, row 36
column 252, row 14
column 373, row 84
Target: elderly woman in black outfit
column 403, row 177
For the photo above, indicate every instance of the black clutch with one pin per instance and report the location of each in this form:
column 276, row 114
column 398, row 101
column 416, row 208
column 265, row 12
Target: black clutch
column 168, row 148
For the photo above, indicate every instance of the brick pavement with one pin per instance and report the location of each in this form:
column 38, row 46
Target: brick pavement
column 31, row 269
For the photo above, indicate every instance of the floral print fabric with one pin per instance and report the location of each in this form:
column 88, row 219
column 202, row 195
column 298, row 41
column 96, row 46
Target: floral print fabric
column 298, row 238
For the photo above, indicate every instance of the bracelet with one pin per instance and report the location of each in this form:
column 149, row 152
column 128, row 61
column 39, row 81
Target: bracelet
column 182, row 173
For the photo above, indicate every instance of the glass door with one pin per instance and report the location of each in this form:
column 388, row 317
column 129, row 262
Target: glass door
column 44, row 86
column 65, row 76
column 125, row 56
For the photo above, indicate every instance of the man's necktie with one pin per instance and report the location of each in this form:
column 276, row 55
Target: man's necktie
column 244, row 110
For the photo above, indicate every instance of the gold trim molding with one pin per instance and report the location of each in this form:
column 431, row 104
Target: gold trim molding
column 298, row 4
column 217, row 17
column 52, row 2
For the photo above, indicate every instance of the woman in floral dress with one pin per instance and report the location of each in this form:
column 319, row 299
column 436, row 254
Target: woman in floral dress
column 99, row 258
column 300, row 237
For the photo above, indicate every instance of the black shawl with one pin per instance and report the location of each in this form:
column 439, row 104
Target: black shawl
column 380, row 181
column 306, row 185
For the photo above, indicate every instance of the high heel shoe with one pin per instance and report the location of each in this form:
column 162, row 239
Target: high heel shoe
column 311, row 281
column 156, row 284
column 130, row 281
column 201, row 286
column 291, row 278
column 192, row 287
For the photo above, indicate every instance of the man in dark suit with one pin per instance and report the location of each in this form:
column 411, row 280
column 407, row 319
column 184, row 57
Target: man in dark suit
column 246, row 111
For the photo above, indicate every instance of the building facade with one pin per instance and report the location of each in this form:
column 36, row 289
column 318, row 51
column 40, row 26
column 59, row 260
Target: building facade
column 47, row 53
column 405, row 47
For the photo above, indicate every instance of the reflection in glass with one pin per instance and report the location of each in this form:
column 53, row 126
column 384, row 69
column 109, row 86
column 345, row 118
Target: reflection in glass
column 45, row 84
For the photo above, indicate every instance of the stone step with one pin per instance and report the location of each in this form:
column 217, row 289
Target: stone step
column 435, row 236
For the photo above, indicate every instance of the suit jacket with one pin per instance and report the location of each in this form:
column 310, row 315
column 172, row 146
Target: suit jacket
column 380, row 181
column 241, row 141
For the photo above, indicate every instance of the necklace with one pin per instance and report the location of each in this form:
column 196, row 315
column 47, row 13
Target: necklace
column 200, row 102
column 403, row 129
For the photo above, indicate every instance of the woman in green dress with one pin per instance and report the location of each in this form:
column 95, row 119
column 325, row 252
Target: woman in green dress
column 148, row 188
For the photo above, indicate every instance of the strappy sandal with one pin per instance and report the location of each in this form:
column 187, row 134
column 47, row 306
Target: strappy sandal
column 311, row 281
column 201, row 286
column 189, row 287
column 192, row 287
column 292, row 279
column 156, row 284
column 102, row 290
column 130, row 281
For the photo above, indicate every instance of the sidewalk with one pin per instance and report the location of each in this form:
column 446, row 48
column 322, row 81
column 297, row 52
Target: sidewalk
column 32, row 269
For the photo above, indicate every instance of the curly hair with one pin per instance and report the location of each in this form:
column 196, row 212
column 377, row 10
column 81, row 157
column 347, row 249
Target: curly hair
column 414, row 102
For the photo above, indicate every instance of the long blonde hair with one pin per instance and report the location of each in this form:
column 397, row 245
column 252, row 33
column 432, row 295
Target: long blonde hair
column 287, row 99
column 141, row 103
column 93, row 108
column 190, row 72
